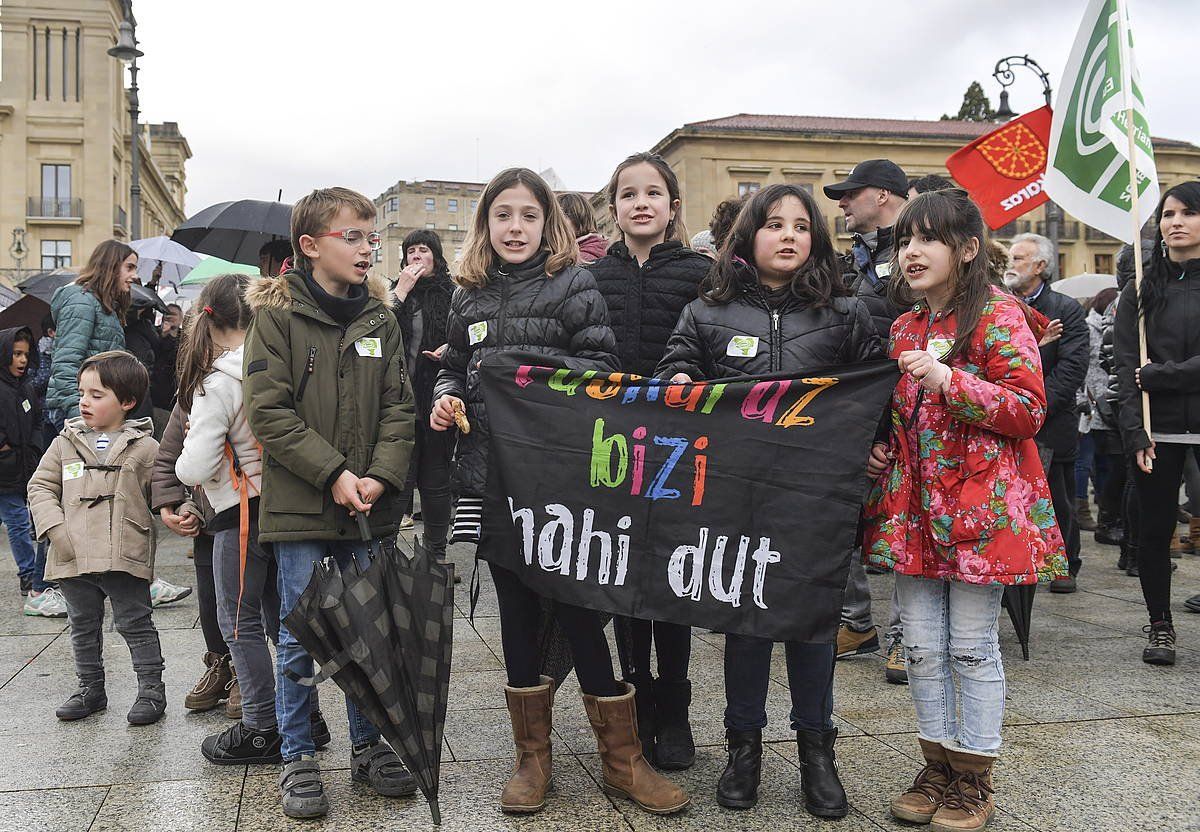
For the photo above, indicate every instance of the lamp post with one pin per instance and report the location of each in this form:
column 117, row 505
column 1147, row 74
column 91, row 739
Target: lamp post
column 127, row 53
column 1003, row 73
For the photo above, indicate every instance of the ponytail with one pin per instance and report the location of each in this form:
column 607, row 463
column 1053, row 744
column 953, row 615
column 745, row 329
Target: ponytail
column 221, row 306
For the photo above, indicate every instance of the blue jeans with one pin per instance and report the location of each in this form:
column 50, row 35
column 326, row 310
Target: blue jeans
column 748, row 674
column 14, row 512
column 951, row 634
column 292, row 706
column 1089, row 464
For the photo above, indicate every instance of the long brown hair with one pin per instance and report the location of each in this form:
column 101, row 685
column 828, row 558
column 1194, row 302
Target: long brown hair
column 675, row 229
column 557, row 238
column 952, row 218
column 102, row 276
column 221, row 305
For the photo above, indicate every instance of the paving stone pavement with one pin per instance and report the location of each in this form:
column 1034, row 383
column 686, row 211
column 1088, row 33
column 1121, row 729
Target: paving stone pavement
column 1094, row 739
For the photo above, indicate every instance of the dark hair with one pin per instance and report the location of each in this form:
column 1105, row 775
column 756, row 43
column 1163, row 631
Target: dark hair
column 48, row 323
column 221, row 305
column 675, row 229
column 722, row 220
column 102, row 276
column 818, row 279
column 1103, row 300
column 120, row 372
column 424, row 237
column 930, row 182
column 950, row 217
column 579, row 213
column 1155, row 279
column 25, row 334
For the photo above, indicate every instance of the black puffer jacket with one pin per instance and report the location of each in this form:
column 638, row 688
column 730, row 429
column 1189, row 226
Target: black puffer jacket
column 1173, row 344
column 750, row 337
column 521, row 310
column 873, row 293
column 1064, row 367
column 644, row 302
column 20, row 417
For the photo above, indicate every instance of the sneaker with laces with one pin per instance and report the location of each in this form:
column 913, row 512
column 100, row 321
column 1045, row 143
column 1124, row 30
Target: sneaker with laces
column 48, row 604
column 853, row 643
column 1161, row 646
column 240, row 745
column 895, row 671
column 162, row 592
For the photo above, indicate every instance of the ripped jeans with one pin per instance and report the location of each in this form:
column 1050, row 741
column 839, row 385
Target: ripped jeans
column 951, row 637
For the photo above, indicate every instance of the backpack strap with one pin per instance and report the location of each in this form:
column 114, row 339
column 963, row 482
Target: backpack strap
column 242, row 485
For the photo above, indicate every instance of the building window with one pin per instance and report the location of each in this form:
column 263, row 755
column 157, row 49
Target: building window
column 430, row 203
column 474, row 204
column 429, row 225
column 393, row 203
column 56, row 191
column 747, row 188
column 452, row 205
column 453, row 227
column 1104, row 264
column 457, row 253
column 1062, row 265
column 56, row 254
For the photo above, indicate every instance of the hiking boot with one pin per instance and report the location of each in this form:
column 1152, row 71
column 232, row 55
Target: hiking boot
column 1083, row 515
column 896, row 671
column 924, row 797
column 301, row 791
column 150, row 705
column 318, row 729
column 1108, row 534
column 1064, row 584
column 1161, row 646
column 531, row 712
column 738, row 786
column 162, row 592
column 1192, row 604
column 48, row 604
column 86, row 701
column 968, row 803
column 625, row 770
column 406, row 522
column 674, row 746
column 378, row 767
column 239, row 745
column 853, row 643
column 233, row 694
column 210, row 690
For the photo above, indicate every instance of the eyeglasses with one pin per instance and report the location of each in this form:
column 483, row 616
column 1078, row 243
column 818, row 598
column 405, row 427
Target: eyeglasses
column 354, row 236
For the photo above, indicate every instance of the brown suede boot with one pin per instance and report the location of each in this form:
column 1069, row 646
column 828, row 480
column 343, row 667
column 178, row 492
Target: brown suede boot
column 530, row 711
column 626, row 772
column 924, row 796
column 210, row 690
column 968, row 803
column 233, row 705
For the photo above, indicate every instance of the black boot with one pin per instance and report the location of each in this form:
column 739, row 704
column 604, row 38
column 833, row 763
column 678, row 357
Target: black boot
column 824, row 796
column 738, row 786
column 150, row 705
column 643, row 701
column 86, row 701
column 675, row 748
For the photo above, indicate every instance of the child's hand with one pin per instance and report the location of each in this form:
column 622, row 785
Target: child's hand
column 435, row 355
column 925, row 368
column 184, row 525
column 879, row 460
column 681, row 378
column 369, row 491
column 442, row 415
column 345, row 493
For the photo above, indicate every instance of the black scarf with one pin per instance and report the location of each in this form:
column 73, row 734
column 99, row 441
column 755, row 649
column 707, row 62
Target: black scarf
column 343, row 310
column 429, row 298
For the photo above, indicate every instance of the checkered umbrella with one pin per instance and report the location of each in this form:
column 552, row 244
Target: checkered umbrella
column 386, row 640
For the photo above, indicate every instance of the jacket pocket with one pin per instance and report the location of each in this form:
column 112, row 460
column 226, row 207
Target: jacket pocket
column 135, row 541
column 966, row 496
column 285, row 493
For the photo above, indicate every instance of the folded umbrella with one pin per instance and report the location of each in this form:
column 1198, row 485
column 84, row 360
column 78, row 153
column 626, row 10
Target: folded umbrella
column 236, row 231
column 175, row 260
column 142, row 297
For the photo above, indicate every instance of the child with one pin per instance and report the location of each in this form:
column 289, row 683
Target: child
column 519, row 287
column 592, row 244
column 777, row 282
column 961, row 507
column 90, row 497
column 646, row 279
column 326, row 398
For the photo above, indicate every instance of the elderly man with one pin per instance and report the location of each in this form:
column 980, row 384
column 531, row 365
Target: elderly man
column 1064, row 365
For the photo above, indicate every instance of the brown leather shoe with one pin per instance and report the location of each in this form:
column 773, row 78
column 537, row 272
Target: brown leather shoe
column 210, row 690
column 968, row 803
column 233, row 705
column 852, row 643
column 924, row 796
column 626, row 772
column 530, row 710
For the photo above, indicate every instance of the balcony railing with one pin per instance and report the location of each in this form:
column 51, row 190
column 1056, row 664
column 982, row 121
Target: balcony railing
column 1012, row 229
column 1068, row 230
column 50, row 207
column 1096, row 235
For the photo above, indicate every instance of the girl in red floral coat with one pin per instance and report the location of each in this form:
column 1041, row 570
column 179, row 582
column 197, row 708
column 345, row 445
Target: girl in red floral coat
column 960, row 508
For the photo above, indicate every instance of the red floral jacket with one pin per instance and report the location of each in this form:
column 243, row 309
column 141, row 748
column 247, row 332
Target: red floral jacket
column 965, row 498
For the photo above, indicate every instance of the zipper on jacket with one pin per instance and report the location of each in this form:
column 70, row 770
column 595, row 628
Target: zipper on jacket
column 776, row 346
column 503, row 316
column 310, row 367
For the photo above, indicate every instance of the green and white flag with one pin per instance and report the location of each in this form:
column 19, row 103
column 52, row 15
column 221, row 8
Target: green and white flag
column 1088, row 169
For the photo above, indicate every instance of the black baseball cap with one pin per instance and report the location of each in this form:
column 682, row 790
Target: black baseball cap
column 873, row 173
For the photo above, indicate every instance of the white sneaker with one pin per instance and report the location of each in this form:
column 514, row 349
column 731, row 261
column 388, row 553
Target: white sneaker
column 406, row 522
column 49, row 604
column 162, row 592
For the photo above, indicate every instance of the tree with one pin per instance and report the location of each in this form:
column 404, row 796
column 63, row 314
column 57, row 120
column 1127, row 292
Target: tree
column 975, row 106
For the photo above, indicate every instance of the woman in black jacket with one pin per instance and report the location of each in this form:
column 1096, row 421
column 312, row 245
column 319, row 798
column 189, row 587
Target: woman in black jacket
column 1170, row 305
column 775, row 303
column 20, row 448
column 646, row 278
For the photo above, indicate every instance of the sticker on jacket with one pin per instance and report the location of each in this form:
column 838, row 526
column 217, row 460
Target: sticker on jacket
column 369, row 347
column 743, row 346
column 476, row 332
column 72, row 470
column 26, row 406
column 940, row 347
column 883, row 269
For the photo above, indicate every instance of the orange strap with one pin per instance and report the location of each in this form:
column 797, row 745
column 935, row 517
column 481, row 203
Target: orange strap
column 242, row 485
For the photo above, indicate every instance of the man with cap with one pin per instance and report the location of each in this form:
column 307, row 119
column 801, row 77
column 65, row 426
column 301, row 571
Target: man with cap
column 871, row 198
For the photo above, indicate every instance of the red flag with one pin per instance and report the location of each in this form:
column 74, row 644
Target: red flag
column 1003, row 170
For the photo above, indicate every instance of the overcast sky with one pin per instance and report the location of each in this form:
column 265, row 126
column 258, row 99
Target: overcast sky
column 299, row 94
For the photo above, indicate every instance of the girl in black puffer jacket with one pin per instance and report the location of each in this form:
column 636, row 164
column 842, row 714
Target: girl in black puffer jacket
column 519, row 289
column 775, row 303
column 646, row 279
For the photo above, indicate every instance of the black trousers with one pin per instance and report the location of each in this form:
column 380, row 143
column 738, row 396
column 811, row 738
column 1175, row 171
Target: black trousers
column 1114, row 488
column 1060, row 475
column 748, row 675
column 206, row 595
column 1158, row 500
column 429, row 473
column 672, row 646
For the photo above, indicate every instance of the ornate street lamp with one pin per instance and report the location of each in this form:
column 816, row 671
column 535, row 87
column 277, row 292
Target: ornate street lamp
column 127, row 53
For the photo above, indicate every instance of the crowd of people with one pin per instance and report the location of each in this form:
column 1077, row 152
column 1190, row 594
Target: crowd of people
column 294, row 401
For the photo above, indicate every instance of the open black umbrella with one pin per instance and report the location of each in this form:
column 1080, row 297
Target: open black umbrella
column 236, row 231
column 43, row 286
column 1019, row 601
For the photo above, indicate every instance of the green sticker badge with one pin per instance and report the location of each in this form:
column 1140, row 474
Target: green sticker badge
column 743, row 346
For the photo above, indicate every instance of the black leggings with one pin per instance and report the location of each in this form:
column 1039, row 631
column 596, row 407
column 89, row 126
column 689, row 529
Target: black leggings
column 206, row 595
column 1158, row 499
column 1114, row 488
column 520, row 617
column 672, row 646
column 1060, row 476
column 429, row 472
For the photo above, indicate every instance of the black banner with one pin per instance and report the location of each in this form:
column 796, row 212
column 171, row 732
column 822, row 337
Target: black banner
column 727, row 505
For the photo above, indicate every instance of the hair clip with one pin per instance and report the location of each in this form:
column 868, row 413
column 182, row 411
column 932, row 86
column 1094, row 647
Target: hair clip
column 208, row 309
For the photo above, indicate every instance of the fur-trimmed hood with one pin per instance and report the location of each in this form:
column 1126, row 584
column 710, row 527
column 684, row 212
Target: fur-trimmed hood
column 276, row 292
